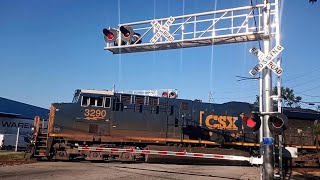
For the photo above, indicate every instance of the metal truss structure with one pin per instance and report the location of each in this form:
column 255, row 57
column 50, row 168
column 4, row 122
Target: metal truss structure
column 233, row 25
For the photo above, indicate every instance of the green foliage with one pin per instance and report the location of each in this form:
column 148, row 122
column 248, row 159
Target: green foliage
column 316, row 129
column 288, row 97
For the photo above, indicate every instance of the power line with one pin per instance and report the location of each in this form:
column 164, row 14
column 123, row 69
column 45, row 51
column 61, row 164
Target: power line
column 305, row 82
column 308, row 95
column 231, row 92
column 237, row 97
column 310, row 103
column 310, row 89
column 255, row 22
column 304, row 74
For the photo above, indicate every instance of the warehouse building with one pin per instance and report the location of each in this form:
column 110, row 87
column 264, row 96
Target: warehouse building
column 16, row 115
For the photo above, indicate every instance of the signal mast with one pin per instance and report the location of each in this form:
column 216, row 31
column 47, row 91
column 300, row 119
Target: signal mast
column 193, row 30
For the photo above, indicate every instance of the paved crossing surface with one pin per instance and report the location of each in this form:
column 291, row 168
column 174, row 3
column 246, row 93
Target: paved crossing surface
column 92, row 171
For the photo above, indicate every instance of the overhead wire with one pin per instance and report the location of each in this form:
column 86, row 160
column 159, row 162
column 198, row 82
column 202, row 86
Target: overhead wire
column 154, row 51
column 316, row 87
column 211, row 59
column 243, row 97
column 120, row 58
column 181, row 50
column 234, row 92
column 308, row 95
column 302, row 75
column 255, row 22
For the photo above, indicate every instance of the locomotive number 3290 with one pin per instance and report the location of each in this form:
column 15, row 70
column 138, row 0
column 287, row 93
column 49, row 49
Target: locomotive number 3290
column 94, row 114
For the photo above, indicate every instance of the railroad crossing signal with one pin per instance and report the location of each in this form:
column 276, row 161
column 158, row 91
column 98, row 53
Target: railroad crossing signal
column 266, row 60
column 162, row 30
column 251, row 123
column 278, row 123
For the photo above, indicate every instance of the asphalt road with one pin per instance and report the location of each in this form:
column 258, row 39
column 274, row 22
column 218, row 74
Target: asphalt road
column 141, row 171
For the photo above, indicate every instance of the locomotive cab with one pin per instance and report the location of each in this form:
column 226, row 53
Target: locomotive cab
column 86, row 118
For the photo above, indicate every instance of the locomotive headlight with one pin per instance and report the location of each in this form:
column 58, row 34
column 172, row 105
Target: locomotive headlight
column 32, row 129
column 76, row 144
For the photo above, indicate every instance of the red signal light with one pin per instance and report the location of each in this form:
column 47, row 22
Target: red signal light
column 277, row 123
column 164, row 94
column 172, row 95
column 252, row 123
column 110, row 35
column 126, row 33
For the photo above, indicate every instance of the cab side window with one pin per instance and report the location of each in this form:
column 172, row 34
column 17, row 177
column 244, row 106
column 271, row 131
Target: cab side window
column 107, row 103
column 85, row 101
column 92, row 101
column 97, row 102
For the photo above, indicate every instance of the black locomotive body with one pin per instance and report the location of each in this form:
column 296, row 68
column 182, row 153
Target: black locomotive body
column 119, row 120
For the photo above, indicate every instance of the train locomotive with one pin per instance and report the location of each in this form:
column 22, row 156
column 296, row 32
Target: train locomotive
column 110, row 120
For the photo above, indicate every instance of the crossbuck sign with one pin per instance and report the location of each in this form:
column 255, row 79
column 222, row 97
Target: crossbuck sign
column 162, row 30
column 266, row 60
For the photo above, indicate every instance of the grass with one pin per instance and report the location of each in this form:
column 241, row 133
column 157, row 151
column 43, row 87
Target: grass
column 13, row 155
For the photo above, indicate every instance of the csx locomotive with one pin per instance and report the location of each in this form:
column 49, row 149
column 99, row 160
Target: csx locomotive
column 108, row 119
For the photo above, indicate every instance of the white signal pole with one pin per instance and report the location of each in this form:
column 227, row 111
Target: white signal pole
column 17, row 139
column 268, row 157
column 279, row 99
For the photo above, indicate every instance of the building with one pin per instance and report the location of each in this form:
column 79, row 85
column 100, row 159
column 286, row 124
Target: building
column 17, row 115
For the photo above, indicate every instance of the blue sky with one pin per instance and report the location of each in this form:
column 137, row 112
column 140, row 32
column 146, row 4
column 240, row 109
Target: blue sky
column 50, row 48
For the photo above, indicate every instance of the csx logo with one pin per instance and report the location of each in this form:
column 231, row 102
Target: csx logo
column 213, row 121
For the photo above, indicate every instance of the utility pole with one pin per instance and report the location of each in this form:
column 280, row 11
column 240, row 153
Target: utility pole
column 268, row 157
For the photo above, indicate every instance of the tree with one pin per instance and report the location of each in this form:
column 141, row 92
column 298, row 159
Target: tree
column 316, row 131
column 312, row 1
column 288, row 96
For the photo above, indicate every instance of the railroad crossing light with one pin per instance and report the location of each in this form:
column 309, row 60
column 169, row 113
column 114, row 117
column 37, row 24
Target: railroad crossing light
column 312, row 1
column 252, row 123
column 172, row 94
column 165, row 94
column 278, row 123
column 128, row 35
column 110, row 35
column 169, row 94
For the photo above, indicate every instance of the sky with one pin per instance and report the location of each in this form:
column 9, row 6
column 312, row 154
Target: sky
column 48, row 49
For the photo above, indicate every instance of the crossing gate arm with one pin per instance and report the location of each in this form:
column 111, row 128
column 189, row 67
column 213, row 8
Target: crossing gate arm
column 201, row 29
column 251, row 160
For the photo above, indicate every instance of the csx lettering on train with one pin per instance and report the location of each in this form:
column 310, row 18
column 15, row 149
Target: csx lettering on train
column 213, row 121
